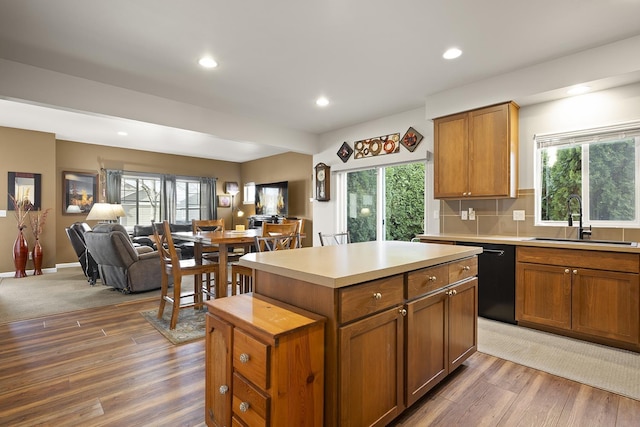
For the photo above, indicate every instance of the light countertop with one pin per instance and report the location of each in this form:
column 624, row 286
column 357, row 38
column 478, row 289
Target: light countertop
column 527, row 241
column 344, row 265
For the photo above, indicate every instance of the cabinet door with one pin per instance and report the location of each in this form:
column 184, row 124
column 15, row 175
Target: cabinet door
column 451, row 162
column 371, row 369
column 427, row 355
column 489, row 152
column 463, row 322
column 543, row 294
column 606, row 304
column 218, row 392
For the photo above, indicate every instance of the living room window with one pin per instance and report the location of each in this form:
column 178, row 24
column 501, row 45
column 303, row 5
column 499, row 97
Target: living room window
column 600, row 165
column 187, row 200
column 140, row 198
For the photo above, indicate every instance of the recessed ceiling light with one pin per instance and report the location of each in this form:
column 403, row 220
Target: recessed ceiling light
column 322, row 102
column 208, row 62
column 577, row 90
column 123, row 133
column 452, row 53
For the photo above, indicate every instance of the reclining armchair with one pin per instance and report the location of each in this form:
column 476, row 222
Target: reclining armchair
column 76, row 232
column 121, row 265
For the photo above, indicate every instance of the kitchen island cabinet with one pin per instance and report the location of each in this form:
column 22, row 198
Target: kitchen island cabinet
column 362, row 290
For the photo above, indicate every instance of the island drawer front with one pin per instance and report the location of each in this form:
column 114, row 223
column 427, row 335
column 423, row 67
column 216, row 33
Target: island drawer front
column 463, row 269
column 421, row 282
column 249, row 403
column 251, row 358
column 361, row 300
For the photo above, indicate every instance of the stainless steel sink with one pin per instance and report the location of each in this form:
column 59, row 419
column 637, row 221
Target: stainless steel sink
column 602, row 242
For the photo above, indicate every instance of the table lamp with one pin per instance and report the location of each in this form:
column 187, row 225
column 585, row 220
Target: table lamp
column 102, row 212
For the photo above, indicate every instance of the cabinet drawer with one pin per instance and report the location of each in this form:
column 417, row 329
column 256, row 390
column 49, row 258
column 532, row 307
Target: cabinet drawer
column 361, row 300
column 249, row 404
column 463, row 269
column 251, row 358
column 421, row 282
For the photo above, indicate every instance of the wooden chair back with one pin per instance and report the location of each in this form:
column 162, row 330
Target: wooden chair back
column 199, row 225
column 276, row 243
column 284, row 229
column 334, row 238
column 300, row 230
column 169, row 257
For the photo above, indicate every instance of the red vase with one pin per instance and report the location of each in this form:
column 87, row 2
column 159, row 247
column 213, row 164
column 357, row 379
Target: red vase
column 36, row 254
column 20, row 255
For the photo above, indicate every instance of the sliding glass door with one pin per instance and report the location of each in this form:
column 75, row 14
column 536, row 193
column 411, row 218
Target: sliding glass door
column 386, row 203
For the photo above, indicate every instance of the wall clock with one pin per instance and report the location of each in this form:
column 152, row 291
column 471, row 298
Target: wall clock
column 323, row 182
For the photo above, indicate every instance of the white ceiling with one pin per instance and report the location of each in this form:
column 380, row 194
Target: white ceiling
column 371, row 58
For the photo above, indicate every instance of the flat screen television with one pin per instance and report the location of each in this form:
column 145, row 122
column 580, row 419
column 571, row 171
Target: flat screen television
column 272, row 198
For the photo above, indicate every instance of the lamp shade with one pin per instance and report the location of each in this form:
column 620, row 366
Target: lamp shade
column 101, row 212
column 74, row 209
column 118, row 210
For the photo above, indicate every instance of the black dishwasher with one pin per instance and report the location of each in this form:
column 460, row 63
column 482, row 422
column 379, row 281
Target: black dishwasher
column 496, row 281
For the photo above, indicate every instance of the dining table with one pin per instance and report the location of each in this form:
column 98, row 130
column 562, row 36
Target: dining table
column 224, row 240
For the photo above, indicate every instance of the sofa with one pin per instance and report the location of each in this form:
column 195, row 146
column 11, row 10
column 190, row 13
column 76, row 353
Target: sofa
column 121, row 265
column 75, row 233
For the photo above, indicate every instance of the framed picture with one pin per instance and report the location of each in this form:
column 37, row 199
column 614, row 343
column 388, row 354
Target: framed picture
column 345, row 152
column 411, row 139
column 79, row 191
column 224, row 201
column 231, row 188
column 24, row 187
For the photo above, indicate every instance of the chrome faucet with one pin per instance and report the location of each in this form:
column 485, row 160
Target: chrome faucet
column 582, row 232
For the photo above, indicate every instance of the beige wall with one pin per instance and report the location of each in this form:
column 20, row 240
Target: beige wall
column 38, row 152
column 33, row 152
column 293, row 167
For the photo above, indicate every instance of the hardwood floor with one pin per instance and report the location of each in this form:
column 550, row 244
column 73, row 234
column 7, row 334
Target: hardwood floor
column 108, row 367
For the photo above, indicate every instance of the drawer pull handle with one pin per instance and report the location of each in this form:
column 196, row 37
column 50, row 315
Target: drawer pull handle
column 224, row 389
column 466, row 268
column 377, row 295
column 244, row 358
column 244, row 406
column 432, row 278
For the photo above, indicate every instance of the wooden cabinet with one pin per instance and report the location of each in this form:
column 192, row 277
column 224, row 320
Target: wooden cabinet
column 264, row 364
column 476, row 153
column 442, row 333
column 372, row 366
column 594, row 295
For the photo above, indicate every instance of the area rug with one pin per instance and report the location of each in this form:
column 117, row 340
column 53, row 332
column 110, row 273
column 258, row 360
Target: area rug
column 599, row 366
column 190, row 327
column 61, row 292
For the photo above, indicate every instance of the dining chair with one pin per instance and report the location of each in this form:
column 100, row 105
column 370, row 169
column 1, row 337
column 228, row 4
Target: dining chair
column 334, row 238
column 300, row 230
column 200, row 225
column 283, row 229
column 276, row 243
column 173, row 266
column 241, row 279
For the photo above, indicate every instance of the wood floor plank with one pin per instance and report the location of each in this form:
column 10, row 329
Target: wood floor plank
column 108, row 366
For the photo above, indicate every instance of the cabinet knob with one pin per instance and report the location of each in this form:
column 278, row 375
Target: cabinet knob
column 403, row 311
column 432, row 278
column 224, row 389
column 566, row 271
column 244, row 406
column 575, row 271
column 244, row 358
column 466, row 268
column 464, row 194
column 452, row 292
column 377, row 295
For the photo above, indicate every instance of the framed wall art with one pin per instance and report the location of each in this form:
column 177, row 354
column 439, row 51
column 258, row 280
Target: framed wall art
column 345, row 152
column 224, row 201
column 26, row 188
column 79, row 192
column 411, row 139
column 378, row 146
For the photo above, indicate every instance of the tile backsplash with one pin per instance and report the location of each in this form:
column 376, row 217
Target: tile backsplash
column 495, row 217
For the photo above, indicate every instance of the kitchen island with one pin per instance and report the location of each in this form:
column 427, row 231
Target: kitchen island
column 400, row 317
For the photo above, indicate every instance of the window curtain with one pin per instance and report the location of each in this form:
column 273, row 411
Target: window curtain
column 208, row 208
column 588, row 136
column 168, row 198
column 114, row 186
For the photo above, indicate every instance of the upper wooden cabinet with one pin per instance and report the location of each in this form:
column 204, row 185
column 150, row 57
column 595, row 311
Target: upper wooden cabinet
column 476, row 153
